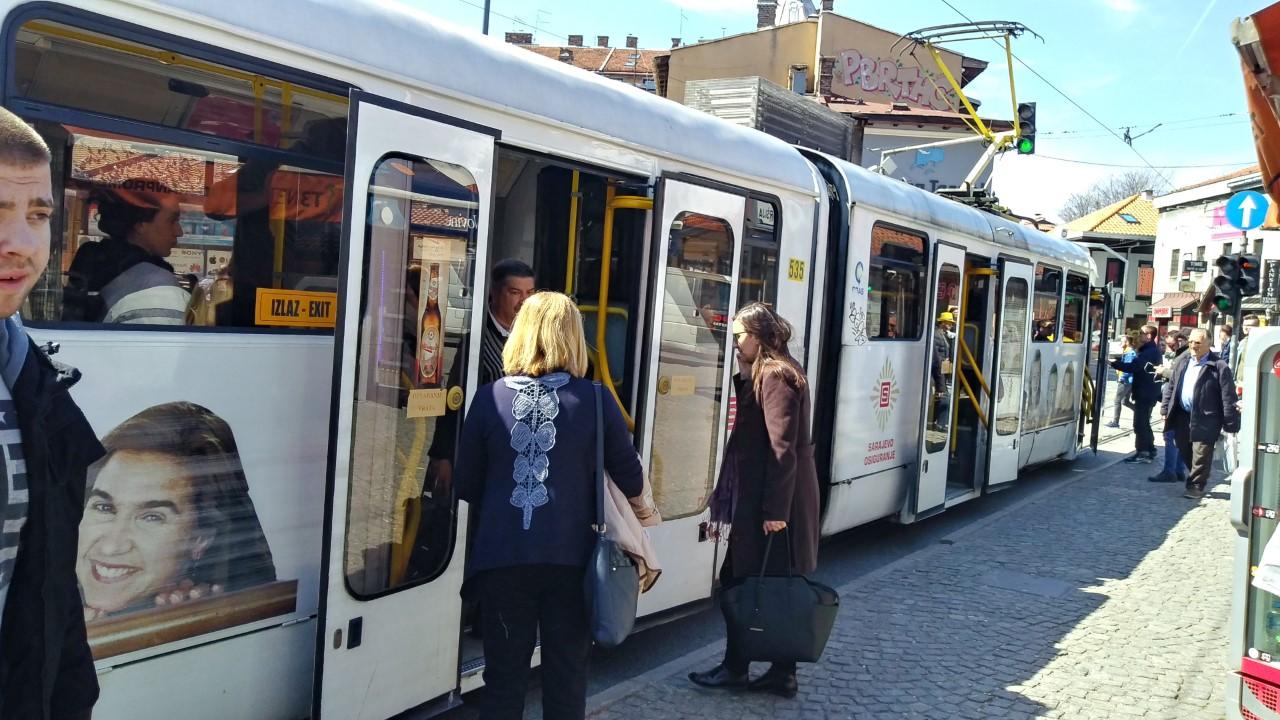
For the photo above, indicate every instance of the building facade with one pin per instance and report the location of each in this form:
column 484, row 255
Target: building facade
column 895, row 92
column 1193, row 228
column 630, row 64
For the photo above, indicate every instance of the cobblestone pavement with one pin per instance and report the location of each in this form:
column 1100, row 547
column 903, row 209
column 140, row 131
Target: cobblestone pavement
column 1106, row 597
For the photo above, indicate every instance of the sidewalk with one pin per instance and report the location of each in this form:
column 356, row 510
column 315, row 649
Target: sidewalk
column 1102, row 597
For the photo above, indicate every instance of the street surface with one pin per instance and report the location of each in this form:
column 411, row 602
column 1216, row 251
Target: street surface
column 1083, row 592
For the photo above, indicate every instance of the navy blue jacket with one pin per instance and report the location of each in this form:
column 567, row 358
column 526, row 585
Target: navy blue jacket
column 1149, row 357
column 518, row 519
column 1213, row 402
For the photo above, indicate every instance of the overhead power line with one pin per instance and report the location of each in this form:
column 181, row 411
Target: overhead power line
column 516, row 20
column 1068, row 98
column 1166, row 167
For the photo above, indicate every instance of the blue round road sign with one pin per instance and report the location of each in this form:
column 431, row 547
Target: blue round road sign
column 1247, row 209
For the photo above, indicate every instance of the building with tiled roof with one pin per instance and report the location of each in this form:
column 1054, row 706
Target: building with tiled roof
column 630, row 64
column 1121, row 238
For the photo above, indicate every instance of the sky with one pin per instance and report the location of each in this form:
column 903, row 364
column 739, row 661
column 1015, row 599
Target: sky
column 1102, row 65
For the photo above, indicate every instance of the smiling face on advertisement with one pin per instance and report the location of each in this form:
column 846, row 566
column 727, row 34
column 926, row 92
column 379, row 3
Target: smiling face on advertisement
column 139, row 534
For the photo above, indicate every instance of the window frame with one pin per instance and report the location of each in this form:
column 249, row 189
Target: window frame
column 177, row 137
column 922, row 274
column 1083, row 280
column 1058, row 307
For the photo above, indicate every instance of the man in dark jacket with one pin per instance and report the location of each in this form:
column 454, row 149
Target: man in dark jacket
column 46, row 446
column 1145, row 393
column 1200, row 404
column 1175, row 468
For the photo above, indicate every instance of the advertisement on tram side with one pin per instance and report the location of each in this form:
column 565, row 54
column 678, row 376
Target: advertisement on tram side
column 203, row 518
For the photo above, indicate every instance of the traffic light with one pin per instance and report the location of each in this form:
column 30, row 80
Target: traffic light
column 1226, row 286
column 1250, row 275
column 1026, row 128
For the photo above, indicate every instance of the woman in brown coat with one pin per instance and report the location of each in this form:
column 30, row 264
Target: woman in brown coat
column 768, row 482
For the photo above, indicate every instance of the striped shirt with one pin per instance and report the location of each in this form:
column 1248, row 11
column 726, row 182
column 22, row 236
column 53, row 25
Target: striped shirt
column 492, row 340
column 13, row 489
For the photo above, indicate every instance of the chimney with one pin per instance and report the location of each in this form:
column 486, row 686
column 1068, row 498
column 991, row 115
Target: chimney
column 1148, row 195
column 519, row 38
column 826, row 71
column 633, row 42
column 828, row 5
column 766, row 12
column 602, row 41
column 575, row 41
column 675, row 43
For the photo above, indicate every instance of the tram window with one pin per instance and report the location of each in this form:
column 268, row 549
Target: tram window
column 1048, row 300
column 420, row 234
column 942, row 359
column 1013, row 334
column 895, row 307
column 76, row 68
column 695, row 315
column 758, row 280
column 161, row 234
column 1073, row 308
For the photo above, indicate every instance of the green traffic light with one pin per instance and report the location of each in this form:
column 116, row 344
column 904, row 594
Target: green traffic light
column 1224, row 305
column 1026, row 146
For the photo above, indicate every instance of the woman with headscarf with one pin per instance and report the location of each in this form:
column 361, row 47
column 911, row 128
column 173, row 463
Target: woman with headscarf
column 768, row 482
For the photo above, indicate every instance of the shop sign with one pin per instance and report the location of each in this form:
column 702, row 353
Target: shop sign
column 1271, row 281
column 1161, row 313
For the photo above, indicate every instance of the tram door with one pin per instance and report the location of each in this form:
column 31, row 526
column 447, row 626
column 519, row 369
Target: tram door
column 698, row 237
column 419, row 194
column 929, row 494
column 1013, row 316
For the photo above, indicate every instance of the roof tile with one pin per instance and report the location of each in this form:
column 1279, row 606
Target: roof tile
column 1108, row 219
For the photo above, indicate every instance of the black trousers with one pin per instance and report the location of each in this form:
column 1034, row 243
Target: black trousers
column 519, row 604
column 1197, row 455
column 734, row 661
column 1144, row 439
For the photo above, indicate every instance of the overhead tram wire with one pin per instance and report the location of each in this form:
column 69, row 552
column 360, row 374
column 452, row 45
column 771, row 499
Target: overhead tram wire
column 1068, row 98
column 1166, row 167
column 516, row 20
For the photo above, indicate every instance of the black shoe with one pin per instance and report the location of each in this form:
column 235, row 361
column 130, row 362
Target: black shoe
column 719, row 677
column 1163, row 477
column 1194, row 492
column 1136, row 458
column 782, row 684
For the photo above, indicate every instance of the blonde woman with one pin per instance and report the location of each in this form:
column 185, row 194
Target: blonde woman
column 526, row 463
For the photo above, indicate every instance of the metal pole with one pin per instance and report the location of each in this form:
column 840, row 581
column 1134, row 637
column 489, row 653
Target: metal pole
column 486, row 16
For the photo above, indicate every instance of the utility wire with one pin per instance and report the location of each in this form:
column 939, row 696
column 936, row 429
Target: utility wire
column 518, row 21
column 1067, row 97
column 1166, row 167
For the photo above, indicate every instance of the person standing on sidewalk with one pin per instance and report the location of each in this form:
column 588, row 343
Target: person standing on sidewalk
column 526, row 466
column 46, row 448
column 768, row 482
column 1124, row 386
column 1145, row 393
column 1175, row 467
column 1200, row 405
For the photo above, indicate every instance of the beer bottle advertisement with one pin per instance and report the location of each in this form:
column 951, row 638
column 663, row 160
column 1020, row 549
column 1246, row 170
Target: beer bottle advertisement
column 431, row 336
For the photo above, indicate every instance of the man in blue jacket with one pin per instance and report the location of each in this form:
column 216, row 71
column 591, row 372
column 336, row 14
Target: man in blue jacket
column 1145, row 393
column 1200, row 404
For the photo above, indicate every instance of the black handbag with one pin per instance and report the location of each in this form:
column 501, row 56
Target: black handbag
column 780, row 619
column 612, row 580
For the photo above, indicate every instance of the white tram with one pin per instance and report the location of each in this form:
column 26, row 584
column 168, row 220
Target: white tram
column 327, row 159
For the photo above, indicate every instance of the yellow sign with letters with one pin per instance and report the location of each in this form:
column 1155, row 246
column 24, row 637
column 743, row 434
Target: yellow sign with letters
column 295, row 308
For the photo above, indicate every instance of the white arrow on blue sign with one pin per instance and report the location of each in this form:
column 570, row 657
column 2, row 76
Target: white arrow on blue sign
column 1247, row 209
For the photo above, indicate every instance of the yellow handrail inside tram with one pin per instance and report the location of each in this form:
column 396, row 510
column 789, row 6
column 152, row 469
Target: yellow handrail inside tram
column 571, row 266
column 612, row 203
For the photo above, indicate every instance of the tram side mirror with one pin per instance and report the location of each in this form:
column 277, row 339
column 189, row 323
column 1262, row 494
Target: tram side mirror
column 1117, row 304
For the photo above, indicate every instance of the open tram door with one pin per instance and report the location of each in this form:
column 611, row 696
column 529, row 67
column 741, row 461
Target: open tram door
column 698, row 234
column 418, row 199
column 1014, row 316
column 928, row 495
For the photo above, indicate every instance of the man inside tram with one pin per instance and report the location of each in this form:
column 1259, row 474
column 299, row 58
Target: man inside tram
column 940, row 370
column 125, row 277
